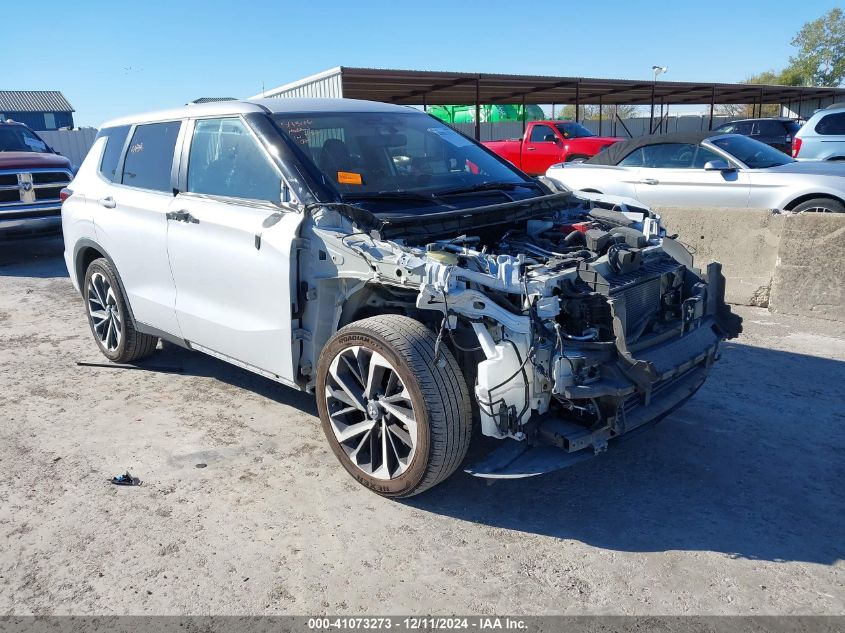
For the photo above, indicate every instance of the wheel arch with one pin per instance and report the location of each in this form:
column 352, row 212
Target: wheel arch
column 85, row 252
column 811, row 196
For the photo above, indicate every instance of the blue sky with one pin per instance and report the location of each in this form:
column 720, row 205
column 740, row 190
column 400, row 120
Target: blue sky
column 115, row 58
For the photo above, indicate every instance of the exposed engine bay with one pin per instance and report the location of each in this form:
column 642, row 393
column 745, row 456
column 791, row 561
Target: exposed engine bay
column 576, row 319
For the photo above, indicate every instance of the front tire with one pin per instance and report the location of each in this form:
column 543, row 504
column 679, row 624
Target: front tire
column 820, row 205
column 397, row 422
column 109, row 318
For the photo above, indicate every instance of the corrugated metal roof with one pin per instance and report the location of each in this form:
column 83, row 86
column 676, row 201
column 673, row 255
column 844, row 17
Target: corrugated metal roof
column 33, row 101
column 416, row 87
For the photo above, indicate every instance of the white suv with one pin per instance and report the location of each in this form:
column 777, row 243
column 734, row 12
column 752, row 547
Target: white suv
column 375, row 256
column 822, row 137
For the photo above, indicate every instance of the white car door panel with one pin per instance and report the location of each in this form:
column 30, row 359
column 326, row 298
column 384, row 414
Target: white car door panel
column 132, row 227
column 234, row 289
column 695, row 187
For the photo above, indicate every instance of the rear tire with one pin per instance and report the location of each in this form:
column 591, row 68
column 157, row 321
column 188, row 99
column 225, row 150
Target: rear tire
column 820, row 205
column 397, row 422
column 578, row 159
column 109, row 317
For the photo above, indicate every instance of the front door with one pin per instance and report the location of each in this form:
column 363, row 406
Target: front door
column 540, row 150
column 673, row 174
column 235, row 278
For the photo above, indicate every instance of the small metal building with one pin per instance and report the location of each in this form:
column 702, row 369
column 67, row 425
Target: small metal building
column 418, row 87
column 38, row 109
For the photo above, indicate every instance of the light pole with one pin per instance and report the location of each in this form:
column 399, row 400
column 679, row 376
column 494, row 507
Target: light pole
column 659, row 70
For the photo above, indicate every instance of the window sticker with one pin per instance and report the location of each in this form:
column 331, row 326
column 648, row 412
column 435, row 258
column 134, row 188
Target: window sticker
column 349, row 178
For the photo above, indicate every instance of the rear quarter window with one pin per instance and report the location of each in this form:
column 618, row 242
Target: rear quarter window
column 832, row 124
column 115, row 140
column 149, row 157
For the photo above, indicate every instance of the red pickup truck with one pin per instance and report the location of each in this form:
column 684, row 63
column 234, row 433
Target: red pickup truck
column 546, row 143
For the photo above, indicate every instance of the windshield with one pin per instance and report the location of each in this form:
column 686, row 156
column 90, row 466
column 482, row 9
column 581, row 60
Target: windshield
column 395, row 154
column 16, row 138
column 753, row 153
column 573, row 130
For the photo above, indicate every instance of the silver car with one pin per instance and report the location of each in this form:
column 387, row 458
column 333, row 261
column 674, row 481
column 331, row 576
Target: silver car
column 822, row 137
column 708, row 169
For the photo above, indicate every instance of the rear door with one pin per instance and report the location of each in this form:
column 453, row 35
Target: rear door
column 233, row 267
column 540, row 150
column 673, row 174
column 130, row 218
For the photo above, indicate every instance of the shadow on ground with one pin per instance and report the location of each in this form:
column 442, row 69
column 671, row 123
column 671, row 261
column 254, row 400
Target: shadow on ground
column 753, row 466
column 39, row 257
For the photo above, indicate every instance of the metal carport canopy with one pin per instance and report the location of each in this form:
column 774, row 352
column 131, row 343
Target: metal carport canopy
column 415, row 87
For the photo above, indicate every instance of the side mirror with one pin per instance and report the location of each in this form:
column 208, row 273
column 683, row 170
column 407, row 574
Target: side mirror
column 718, row 165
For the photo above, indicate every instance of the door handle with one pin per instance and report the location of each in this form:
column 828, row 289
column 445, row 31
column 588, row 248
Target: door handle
column 649, row 181
column 530, row 149
column 108, row 203
column 182, row 216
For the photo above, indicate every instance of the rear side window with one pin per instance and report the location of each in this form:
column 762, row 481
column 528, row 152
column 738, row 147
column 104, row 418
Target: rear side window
column 831, row 124
column 115, row 140
column 663, row 155
column 226, row 160
column 150, row 156
column 770, row 128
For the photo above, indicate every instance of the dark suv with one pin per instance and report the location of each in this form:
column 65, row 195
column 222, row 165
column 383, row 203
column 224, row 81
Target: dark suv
column 32, row 176
column 777, row 132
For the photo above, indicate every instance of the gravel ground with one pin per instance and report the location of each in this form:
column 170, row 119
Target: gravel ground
column 733, row 505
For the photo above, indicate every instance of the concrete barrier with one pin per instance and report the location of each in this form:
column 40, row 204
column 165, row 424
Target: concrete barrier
column 810, row 273
column 793, row 264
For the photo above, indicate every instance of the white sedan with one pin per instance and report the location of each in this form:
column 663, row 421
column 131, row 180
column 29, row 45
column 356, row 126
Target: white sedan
column 707, row 169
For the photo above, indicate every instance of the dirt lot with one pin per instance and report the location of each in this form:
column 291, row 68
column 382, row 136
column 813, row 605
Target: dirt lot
column 735, row 504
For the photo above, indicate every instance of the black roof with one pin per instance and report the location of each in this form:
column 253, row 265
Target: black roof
column 616, row 152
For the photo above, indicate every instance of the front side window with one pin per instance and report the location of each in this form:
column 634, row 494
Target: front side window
column 149, row 158
column 754, row 154
column 226, row 160
column 16, row 138
column 662, row 156
column 115, row 140
column 704, row 156
column 373, row 153
column 831, row 124
column 541, row 134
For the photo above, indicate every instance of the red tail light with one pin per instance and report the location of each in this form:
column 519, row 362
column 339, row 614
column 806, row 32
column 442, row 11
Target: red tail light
column 65, row 193
column 796, row 147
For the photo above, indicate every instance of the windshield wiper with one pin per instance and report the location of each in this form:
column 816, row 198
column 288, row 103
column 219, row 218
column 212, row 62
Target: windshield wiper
column 487, row 186
column 409, row 196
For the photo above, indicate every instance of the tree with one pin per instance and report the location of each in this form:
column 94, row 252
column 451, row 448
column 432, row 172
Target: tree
column 821, row 50
column 592, row 112
column 787, row 77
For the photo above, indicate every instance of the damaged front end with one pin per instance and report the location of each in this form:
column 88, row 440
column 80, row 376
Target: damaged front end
column 577, row 321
